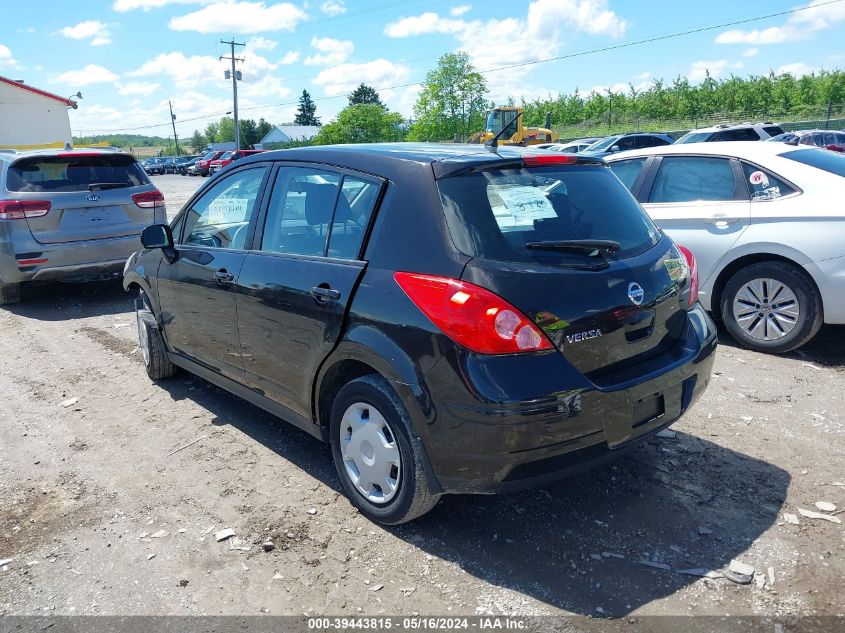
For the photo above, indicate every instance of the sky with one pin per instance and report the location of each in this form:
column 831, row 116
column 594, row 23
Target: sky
column 130, row 57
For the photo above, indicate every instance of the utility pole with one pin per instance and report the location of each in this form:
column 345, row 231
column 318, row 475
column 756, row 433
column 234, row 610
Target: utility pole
column 235, row 76
column 610, row 113
column 173, row 123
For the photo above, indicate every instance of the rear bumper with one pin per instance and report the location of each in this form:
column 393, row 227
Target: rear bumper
column 22, row 261
column 499, row 423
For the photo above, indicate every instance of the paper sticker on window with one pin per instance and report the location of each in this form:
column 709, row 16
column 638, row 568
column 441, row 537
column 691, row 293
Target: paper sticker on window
column 227, row 210
column 767, row 194
column 520, row 206
column 759, row 178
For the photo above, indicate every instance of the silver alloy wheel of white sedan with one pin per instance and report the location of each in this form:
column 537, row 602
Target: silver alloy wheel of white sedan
column 766, row 309
column 370, row 453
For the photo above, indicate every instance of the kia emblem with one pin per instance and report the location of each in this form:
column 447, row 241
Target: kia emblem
column 635, row 293
column 92, row 197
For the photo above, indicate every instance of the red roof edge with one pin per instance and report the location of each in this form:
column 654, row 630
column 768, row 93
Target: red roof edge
column 43, row 93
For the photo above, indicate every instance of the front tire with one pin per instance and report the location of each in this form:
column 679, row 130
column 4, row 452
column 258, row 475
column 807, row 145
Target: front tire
column 771, row 307
column 378, row 458
column 156, row 361
column 9, row 294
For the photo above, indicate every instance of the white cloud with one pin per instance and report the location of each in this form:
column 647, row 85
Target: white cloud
column 330, row 51
column 698, row 71
column 589, row 16
column 344, row 78
column 751, row 52
column 138, row 88
column 122, row 6
column 96, row 31
column 240, row 17
column 6, row 58
column 459, row 10
column 617, row 88
column 333, row 7
column 88, row 76
column 820, row 15
column 421, row 24
column 259, row 43
column 186, row 72
column 797, row 69
column 291, row 57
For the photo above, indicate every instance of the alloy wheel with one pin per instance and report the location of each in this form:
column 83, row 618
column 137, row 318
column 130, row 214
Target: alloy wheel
column 766, row 309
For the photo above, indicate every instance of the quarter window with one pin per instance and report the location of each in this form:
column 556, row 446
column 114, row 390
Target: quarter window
column 628, row 170
column 220, row 218
column 693, row 178
column 764, row 185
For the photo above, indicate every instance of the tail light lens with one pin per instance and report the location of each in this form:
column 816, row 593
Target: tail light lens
column 538, row 160
column 23, row 209
column 473, row 316
column 148, row 199
column 693, row 273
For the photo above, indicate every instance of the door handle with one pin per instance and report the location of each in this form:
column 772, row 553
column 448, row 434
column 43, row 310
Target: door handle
column 223, row 278
column 721, row 220
column 323, row 294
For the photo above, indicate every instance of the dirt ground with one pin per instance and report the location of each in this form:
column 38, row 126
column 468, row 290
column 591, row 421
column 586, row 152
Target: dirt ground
column 111, row 488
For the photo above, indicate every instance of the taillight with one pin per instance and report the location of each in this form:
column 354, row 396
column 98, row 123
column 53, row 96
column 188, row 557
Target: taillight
column 148, row 199
column 692, row 265
column 472, row 316
column 22, row 209
column 538, row 160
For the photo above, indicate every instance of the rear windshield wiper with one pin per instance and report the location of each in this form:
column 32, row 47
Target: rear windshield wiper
column 99, row 186
column 605, row 247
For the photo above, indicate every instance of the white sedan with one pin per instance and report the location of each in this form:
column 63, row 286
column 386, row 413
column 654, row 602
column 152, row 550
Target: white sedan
column 766, row 223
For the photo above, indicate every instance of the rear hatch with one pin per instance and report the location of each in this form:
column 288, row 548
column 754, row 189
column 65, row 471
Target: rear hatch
column 90, row 195
column 570, row 247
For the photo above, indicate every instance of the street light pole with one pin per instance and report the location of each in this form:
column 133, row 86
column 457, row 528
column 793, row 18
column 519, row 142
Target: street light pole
column 232, row 43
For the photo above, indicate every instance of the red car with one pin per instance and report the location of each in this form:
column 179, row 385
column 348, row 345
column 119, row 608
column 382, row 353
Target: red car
column 201, row 166
column 230, row 157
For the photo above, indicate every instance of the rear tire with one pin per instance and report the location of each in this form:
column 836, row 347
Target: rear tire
column 9, row 294
column 771, row 307
column 367, row 412
column 156, row 360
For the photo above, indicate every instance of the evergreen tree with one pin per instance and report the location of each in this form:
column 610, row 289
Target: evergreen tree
column 306, row 114
column 365, row 94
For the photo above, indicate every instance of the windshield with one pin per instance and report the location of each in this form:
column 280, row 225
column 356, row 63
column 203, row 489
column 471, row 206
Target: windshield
column 602, row 144
column 226, row 156
column 494, row 214
column 74, row 172
column 786, row 137
column 497, row 119
column 694, row 137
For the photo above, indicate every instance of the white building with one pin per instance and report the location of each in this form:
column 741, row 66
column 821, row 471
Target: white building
column 287, row 133
column 31, row 118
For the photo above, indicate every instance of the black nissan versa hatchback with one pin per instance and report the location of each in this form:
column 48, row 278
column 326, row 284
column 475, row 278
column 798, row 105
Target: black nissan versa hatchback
column 452, row 319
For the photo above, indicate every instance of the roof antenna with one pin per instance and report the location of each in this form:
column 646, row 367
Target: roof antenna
column 493, row 143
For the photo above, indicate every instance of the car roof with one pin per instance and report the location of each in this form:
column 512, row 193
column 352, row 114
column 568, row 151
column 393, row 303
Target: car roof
column 741, row 149
column 14, row 155
column 387, row 159
column 732, row 126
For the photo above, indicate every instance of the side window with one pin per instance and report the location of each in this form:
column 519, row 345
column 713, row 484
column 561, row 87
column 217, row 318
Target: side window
column 692, row 178
column 764, row 185
column 628, row 142
column 628, row 170
column 658, row 142
column 773, row 130
column 354, row 210
column 741, row 134
column 300, row 212
column 220, row 218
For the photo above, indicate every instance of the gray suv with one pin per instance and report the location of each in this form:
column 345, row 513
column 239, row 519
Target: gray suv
column 70, row 215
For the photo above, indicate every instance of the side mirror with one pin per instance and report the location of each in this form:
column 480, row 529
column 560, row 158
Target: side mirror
column 614, row 149
column 157, row 236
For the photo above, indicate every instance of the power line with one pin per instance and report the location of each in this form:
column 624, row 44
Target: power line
column 592, row 51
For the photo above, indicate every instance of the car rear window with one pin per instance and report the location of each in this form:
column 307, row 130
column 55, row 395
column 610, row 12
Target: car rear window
column 75, row 173
column 823, row 159
column 494, row 213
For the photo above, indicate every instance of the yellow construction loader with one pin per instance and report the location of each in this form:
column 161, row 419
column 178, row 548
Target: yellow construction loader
column 504, row 123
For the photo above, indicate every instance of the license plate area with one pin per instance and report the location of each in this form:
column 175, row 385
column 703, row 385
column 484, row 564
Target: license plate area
column 639, row 417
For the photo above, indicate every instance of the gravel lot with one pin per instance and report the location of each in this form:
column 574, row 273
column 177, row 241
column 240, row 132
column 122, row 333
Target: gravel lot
column 102, row 514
